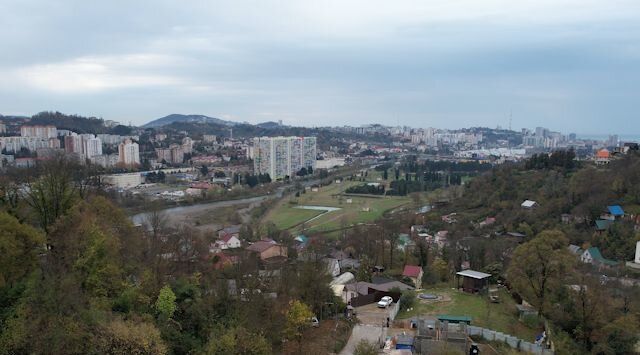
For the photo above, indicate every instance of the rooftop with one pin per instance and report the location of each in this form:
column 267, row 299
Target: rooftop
column 596, row 255
column 412, row 271
column 261, row 246
column 473, row 274
column 616, row 210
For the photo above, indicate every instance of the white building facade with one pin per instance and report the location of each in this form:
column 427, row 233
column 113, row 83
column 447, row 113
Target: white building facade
column 283, row 156
column 129, row 152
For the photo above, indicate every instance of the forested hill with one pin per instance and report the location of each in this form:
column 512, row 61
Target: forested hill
column 581, row 191
column 78, row 124
column 178, row 118
column 325, row 137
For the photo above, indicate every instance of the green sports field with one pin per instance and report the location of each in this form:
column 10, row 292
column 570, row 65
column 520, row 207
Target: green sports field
column 353, row 209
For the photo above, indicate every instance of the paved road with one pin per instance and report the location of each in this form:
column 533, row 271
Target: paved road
column 363, row 332
column 177, row 214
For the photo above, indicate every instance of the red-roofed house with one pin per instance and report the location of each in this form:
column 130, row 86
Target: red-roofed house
column 603, row 157
column 415, row 273
column 267, row 249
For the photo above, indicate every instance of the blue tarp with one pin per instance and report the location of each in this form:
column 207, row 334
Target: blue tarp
column 616, row 210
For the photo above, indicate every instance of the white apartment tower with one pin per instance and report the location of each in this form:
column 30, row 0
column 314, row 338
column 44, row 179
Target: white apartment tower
column 39, row 131
column 129, row 152
column 283, row 156
column 92, row 146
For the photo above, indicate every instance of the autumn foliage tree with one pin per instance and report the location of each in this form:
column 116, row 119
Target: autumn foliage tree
column 298, row 319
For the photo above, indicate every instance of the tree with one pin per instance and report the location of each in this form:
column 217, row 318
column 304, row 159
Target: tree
column 365, row 348
column 538, row 266
column 441, row 269
column 166, row 302
column 204, row 170
column 251, row 180
column 364, row 271
column 52, row 194
column 19, row 248
column 237, row 341
column 313, row 286
column 619, row 337
column 129, row 337
column 298, row 319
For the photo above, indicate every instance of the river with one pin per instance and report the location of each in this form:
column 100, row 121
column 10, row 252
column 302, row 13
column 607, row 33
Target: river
column 178, row 214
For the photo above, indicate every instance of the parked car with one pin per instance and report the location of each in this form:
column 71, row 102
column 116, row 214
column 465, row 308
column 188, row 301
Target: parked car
column 315, row 322
column 385, row 302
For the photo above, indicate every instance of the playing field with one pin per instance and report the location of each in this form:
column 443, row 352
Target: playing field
column 353, row 209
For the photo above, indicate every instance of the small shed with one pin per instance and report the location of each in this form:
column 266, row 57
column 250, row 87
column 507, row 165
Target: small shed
column 525, row 311
column 473, row 281
column 529, row 204
column 602, row 225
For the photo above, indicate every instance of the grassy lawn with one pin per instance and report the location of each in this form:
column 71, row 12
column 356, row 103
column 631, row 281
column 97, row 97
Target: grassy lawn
column 286, row 216
column 497, row 316
column 218, row 216
column 289, row 217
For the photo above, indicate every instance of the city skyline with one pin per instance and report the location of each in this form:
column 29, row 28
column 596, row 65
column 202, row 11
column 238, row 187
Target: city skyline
column 566, row 65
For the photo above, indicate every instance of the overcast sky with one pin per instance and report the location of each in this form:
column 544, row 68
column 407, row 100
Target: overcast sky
column 568, row 65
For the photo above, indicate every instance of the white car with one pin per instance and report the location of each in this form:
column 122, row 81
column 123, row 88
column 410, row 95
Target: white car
column 385, row 302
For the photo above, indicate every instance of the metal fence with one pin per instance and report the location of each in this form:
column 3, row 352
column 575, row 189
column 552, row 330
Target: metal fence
column 515, row 343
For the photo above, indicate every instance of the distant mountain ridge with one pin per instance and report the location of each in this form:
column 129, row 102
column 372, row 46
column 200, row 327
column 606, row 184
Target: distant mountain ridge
column 175, row 117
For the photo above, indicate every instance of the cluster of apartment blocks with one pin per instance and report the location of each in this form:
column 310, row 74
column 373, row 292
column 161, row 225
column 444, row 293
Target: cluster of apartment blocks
column 47, row 138
column 174, row 154
column 543, row 138
column 282, row 157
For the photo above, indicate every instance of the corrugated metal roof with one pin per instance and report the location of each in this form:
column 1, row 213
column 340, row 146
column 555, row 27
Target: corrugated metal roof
column 473, row 274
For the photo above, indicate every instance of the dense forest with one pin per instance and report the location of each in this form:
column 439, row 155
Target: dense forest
column 77, row 277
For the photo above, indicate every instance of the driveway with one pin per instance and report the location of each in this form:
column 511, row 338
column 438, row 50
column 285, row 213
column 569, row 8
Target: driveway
column 370, row 314
column 370, row 333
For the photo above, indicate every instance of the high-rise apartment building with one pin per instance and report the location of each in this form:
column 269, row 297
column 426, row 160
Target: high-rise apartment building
column 39, row 131
column 129, row 153
column 92, row 146
column 73, row 144
column 173, row 155
column 86, row 145
column 283, row 156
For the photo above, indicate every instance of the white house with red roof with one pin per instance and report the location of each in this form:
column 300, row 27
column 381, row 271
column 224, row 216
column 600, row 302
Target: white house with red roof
column 227, row 241
column 603, row 157
column 415, row 273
